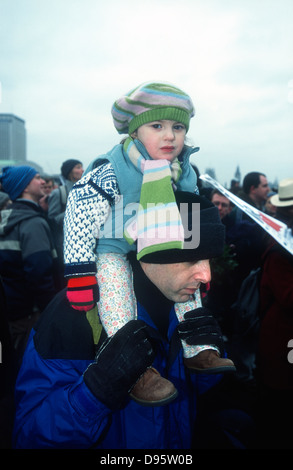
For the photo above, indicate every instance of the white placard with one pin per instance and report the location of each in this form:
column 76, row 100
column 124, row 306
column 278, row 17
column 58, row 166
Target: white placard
column 277, row 229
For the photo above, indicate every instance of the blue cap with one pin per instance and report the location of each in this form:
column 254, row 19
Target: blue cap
column 15, row 179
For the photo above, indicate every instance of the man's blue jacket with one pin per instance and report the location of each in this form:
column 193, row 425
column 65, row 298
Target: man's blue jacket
column 55, row 409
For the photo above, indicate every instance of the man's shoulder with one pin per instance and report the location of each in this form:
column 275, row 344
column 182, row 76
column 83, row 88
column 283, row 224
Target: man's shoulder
column 21, row 213
column 63, row 333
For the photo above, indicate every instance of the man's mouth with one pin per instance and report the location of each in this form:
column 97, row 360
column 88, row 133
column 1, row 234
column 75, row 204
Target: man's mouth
column 190, row 290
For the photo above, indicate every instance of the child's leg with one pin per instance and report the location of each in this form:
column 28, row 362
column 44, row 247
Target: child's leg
column 181, row 309
column 117, row 304
column 116, row 307
column 201, row 358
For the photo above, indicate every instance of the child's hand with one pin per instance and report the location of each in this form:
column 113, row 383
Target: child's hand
column 83, row 292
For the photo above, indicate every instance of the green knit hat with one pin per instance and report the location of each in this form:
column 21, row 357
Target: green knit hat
column 151, row 102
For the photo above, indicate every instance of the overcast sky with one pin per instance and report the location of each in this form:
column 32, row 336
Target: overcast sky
column 64, row 62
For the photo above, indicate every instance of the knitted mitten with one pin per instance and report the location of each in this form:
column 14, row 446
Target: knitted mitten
column 83, row 292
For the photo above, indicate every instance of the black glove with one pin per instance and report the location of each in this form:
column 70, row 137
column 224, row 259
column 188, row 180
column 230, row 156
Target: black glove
column 119, row 363
column 200, row 327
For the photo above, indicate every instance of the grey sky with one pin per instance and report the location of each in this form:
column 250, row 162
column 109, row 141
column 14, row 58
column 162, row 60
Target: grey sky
column 63, row 63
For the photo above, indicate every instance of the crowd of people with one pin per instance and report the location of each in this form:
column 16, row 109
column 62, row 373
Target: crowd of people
column 102, row 335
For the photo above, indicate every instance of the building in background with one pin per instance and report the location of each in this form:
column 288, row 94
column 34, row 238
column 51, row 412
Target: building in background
column 12, row 138
column 13, row 142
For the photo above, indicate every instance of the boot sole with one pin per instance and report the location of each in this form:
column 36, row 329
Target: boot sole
column 164, row 401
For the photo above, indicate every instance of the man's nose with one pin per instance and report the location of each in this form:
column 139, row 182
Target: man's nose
column 203, row 273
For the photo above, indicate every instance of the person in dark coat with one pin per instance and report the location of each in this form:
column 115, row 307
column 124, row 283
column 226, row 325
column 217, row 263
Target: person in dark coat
column 275, row 364
column 27, row 253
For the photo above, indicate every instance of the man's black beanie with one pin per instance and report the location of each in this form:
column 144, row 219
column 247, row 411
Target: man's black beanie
column 212, row 233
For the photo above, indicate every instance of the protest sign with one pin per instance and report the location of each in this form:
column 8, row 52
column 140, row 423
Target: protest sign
column 277, row 229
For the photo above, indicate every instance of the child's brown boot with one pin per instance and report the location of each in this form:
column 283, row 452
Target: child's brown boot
column 153, row 390
column 209, row 362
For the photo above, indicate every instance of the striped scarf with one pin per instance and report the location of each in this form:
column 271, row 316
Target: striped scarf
column 157, row 225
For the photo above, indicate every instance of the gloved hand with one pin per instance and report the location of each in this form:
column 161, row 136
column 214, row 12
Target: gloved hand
column 200, row 327
column 82, row 292
column 119, row 363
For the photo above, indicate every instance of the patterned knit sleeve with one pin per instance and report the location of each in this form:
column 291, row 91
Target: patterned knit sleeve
column 87, row 209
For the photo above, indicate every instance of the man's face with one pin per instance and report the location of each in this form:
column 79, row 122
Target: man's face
column 222, row 203
column 35, row 189
column 178, row 281
column 260, row 193
column 48, row 187
column 76, row 173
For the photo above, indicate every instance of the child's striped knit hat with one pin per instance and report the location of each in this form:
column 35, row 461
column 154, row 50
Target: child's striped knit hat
column 151, row 102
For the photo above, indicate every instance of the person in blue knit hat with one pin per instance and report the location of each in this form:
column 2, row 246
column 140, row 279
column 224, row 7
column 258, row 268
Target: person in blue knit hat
column 15, row 179
column 27, row 253
column 144, row 170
